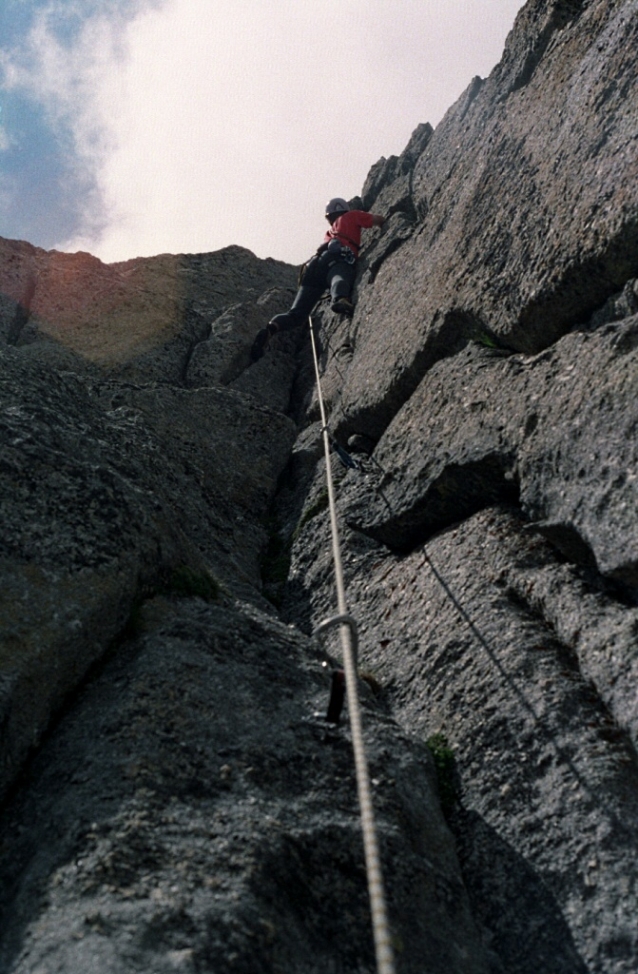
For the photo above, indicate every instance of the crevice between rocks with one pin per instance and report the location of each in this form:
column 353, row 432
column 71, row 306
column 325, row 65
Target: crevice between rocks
column 599, row 695
column 200, row 334
column 20, row 321
column 22, row 312
column 455, row 494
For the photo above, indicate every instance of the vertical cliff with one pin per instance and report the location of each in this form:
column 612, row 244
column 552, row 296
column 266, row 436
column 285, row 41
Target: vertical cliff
column 173, row 796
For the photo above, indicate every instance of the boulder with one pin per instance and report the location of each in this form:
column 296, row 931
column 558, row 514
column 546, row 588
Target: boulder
column 140, row 318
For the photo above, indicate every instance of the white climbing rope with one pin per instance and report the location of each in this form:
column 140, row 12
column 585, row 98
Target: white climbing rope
column 380, row 926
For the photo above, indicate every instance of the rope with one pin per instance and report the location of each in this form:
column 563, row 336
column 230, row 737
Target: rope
column 380, row 926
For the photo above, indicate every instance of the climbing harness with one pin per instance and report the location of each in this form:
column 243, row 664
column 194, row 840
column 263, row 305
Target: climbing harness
column 347, row 252
column 348, row 634
column 326, row 256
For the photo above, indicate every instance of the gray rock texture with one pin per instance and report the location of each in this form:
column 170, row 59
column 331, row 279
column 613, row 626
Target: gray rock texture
column 141, row 318
column 109, row 484
column 485, row 636
column 173, row 797
column 526, row 203
column 527, row 426
column 224, row 825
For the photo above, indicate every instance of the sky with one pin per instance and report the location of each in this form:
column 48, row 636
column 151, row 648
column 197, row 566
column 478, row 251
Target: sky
column 132, row 128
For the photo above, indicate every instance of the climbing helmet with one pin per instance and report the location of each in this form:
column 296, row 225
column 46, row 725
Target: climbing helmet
column 336, row 205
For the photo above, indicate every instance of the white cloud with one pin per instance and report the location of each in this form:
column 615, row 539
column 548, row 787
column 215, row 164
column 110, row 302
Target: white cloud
column 211, row 122
column 64, row 78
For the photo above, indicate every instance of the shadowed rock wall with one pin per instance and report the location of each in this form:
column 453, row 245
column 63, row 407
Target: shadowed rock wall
column 173, row 797
column 190, row 809
column 110, row 484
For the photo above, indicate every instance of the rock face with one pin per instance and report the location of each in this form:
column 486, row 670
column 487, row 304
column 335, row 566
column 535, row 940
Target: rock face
column 173, row 796
column 527, row 214
column 108, row 485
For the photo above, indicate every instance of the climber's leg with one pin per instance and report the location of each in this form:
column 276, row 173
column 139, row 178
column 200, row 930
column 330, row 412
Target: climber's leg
column 341, row 279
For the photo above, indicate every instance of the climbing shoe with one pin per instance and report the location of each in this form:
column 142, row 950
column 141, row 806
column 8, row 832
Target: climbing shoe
column 343, row 306
column 261, row 340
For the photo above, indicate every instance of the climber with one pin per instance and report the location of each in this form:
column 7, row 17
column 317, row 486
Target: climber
column 331, row 267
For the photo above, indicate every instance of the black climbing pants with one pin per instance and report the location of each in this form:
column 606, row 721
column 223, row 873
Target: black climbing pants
column 322, row 272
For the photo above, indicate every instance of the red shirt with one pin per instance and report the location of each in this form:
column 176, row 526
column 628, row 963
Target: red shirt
column 347, row 229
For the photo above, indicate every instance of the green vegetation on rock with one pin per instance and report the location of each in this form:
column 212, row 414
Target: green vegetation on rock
column 186, row 582
column 275, row 563
column 444, row 763
column 318, row 505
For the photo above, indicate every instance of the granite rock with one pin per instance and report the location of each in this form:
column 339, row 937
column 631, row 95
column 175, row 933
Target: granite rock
column 483, row 427
column 527, row 215
column 224, row 825
column 526, row 666
column 174, row 798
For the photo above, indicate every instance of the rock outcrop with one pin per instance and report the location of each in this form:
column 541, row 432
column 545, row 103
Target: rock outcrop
column 174, row 799
column 525, row 196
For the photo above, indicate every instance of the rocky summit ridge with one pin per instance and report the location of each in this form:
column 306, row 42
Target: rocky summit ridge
column 173, row 797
